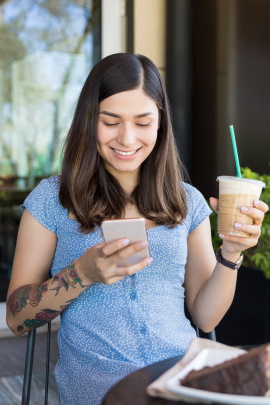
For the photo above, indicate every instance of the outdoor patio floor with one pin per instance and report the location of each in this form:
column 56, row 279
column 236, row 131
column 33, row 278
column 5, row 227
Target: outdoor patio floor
column 12, row 361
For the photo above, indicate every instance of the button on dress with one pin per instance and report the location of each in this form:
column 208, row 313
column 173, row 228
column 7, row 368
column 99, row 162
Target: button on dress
column 109, row 331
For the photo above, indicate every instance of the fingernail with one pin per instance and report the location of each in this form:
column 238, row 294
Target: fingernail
column 125, row 241
column 221, row 236
column 244, row 209
column 143, row 244
column 149, row 260
column 256, row 202
column 237, row 225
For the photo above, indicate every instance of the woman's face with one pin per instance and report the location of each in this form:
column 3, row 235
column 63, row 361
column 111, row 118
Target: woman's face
column 127, row 131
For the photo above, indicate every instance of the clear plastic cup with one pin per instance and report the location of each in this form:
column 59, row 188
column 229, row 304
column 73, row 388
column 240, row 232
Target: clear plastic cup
column 235, row 192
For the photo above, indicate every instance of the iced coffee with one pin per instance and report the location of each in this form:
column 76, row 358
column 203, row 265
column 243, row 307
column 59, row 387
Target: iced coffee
column 235, row 192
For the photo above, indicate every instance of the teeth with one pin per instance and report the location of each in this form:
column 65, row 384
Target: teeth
column 125, row 153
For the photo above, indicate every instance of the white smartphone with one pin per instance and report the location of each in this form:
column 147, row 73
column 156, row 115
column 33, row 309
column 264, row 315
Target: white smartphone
column 132, row 228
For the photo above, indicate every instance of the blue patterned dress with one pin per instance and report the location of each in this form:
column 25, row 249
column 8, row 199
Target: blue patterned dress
column 110, row 331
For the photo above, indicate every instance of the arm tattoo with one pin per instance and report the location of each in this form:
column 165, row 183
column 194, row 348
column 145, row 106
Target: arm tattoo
column 18, row 299
column 33, row 293
column 66, row 278
column 43, row 317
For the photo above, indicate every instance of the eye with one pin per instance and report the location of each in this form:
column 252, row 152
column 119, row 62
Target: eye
column 144, row 125
column 110, row 125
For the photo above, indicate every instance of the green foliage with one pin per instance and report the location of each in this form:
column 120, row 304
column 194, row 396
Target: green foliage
column 214, row 226
column 259, row 255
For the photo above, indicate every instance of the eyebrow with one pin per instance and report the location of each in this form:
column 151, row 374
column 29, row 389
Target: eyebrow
column 119, row 116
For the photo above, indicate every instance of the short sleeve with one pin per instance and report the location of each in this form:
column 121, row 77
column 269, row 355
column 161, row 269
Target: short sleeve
column 198, row 209
column 42, row 202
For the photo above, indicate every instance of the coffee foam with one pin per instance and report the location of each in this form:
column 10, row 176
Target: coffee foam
column 230, row 186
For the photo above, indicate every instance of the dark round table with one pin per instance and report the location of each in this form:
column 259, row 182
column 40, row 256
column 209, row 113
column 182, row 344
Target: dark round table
column 131, row 390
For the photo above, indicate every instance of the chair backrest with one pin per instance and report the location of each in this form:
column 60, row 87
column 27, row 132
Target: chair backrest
column 210, row 335
column 28, row 368
column 30, row 351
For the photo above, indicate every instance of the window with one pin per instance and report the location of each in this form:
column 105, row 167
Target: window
column 47, row 48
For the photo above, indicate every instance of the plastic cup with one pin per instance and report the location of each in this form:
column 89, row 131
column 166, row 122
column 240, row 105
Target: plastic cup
column 235, row 192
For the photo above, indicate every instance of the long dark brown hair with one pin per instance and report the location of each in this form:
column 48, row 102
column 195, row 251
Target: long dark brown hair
column 87, row 189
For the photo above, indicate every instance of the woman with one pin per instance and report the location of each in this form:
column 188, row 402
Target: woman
column 120, row 162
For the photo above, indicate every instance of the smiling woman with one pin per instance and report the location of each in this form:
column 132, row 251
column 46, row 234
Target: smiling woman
column 120, row 162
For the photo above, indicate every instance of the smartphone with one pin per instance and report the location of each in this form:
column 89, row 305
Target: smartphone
column 132, row 228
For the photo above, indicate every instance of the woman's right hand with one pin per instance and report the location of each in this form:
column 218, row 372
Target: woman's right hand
column 99, row 263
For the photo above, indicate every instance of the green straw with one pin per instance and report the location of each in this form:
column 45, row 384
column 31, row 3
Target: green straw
column 235, row 152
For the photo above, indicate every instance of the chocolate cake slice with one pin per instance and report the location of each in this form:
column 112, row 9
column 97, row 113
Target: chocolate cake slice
column 247, row 374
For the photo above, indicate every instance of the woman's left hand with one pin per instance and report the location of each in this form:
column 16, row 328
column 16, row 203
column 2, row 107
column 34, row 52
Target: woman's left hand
column 238, row 244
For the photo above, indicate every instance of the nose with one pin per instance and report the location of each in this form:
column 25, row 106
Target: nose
column 126, row 135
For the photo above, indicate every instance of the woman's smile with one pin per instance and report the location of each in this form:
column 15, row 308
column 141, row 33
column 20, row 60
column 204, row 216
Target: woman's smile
column 125, row 154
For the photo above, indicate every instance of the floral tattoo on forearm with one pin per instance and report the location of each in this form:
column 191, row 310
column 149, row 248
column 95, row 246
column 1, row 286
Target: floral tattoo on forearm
column 41, row 318
column 33, row 293
column 67, row 277
column 18, row 299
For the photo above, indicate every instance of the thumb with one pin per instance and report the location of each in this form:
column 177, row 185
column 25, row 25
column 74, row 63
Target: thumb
column 214, row 203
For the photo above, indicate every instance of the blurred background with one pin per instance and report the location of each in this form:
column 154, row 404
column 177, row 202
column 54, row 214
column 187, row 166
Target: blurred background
column 214, row 56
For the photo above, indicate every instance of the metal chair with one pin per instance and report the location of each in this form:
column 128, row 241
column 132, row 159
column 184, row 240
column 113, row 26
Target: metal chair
column 211, row 335
column 30, row 350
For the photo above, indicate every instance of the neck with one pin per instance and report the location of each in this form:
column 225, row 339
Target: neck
column 128, row 180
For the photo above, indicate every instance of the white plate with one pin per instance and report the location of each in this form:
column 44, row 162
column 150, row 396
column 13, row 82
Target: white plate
column 211, row 357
